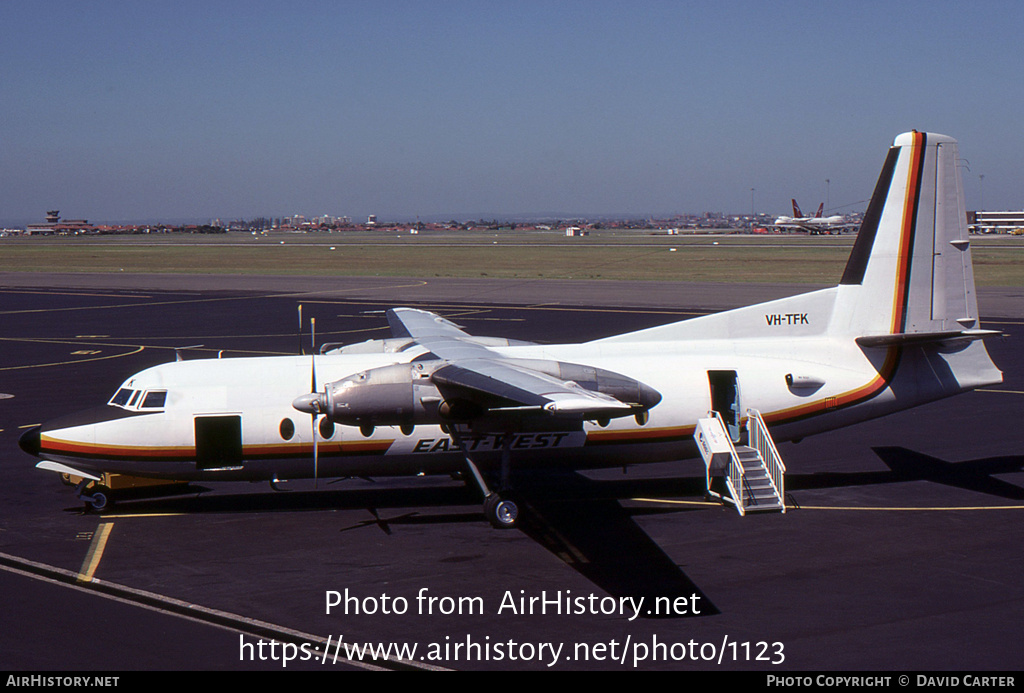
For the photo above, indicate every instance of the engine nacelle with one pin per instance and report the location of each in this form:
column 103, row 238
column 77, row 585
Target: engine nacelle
column 400, row 394
column 405, row 394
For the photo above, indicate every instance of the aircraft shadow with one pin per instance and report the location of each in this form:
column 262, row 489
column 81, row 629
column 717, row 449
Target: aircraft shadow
column 908, row 465
column 579, row 520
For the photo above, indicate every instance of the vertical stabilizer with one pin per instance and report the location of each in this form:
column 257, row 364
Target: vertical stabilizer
column 910, row 269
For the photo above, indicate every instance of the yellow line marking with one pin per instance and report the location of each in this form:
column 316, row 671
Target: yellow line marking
column 437, row 306
column 674, row 502
column 92, row 559
column 73, row 293
column 67, row 363
column 288, row 294
column 1004, row 392
column 841, row 507
column 899, row 509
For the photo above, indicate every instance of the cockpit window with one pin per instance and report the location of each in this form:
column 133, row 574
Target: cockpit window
column 154, row 399
column 127, row 398
column 121, row 397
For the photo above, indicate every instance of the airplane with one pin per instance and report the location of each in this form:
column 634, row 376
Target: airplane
column 899, row 330
column 814, row 224
column 798, row 213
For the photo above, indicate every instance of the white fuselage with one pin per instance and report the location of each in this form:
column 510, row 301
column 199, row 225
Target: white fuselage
column 825, row 386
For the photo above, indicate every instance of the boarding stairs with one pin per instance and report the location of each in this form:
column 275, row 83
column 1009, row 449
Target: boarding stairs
column 754, row 474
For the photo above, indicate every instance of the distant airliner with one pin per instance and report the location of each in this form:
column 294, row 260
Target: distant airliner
column 815, row 223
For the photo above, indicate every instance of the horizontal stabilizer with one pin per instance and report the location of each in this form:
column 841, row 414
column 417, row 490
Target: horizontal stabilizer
column 885, row 340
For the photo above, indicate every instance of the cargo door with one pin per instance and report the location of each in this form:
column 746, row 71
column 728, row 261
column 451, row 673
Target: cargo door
column 218, row 442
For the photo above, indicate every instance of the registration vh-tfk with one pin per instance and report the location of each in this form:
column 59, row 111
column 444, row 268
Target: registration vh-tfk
column 900, row 329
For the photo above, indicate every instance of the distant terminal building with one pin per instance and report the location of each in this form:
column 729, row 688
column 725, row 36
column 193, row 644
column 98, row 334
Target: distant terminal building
column 996, row 222
column 55, row 225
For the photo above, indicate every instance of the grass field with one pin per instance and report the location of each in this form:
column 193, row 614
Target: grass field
column 506, row 254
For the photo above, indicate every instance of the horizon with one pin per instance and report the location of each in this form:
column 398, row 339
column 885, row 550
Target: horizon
column 539, row 218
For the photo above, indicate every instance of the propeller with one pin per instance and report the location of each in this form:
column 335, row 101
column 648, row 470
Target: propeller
column 314, row 408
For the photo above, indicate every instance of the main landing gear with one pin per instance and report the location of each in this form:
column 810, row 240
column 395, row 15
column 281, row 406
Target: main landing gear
column 500, row 510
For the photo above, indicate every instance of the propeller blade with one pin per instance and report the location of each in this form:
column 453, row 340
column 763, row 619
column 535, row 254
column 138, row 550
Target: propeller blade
column 316, row 457
column 313, row 423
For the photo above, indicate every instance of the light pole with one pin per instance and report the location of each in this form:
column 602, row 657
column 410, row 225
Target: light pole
column 828, row 206
column 752, row 208
column 981, row 192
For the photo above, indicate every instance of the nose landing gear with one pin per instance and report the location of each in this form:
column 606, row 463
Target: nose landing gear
column 96, row 496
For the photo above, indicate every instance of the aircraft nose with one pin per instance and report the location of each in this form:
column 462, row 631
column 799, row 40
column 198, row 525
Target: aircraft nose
column 30, row 441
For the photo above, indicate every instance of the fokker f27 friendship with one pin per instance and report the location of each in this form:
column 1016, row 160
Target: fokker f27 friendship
column 900, row 329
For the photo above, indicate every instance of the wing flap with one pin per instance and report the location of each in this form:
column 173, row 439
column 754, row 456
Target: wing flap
column 498, row 385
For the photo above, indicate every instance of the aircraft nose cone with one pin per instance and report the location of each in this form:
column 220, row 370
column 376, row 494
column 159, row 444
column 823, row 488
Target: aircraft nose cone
column 30, row 441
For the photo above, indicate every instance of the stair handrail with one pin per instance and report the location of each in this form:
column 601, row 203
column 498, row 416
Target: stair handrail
column 735, row 480
column 761, row 440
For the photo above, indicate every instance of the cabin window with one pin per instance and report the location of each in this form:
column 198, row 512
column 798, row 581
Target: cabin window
column 154, row 399
column 121, row 397
column 326, row 428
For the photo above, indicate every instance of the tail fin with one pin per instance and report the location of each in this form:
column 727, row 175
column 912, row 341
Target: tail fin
column 908, row 280
column 796, row 210
column 911, row 263
column 821, row 208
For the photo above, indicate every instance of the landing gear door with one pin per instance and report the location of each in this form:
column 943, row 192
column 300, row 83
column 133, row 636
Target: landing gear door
column 218, row 442
column 725, row 399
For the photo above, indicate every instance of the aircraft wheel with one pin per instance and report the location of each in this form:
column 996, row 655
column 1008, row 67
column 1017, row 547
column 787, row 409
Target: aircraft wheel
column 100, row 499
column 502, row 513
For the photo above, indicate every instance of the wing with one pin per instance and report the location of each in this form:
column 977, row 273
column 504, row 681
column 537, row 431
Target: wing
column 441, row 336
column 461, row 378
column 471, row 371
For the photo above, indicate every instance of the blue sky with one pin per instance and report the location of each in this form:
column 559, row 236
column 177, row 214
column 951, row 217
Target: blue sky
column 119, row 111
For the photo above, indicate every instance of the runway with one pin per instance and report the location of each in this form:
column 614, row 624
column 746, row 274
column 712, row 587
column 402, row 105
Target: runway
column 901, row 552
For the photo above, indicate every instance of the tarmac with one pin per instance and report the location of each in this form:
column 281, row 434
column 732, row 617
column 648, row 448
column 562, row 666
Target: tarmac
column 899, row 553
